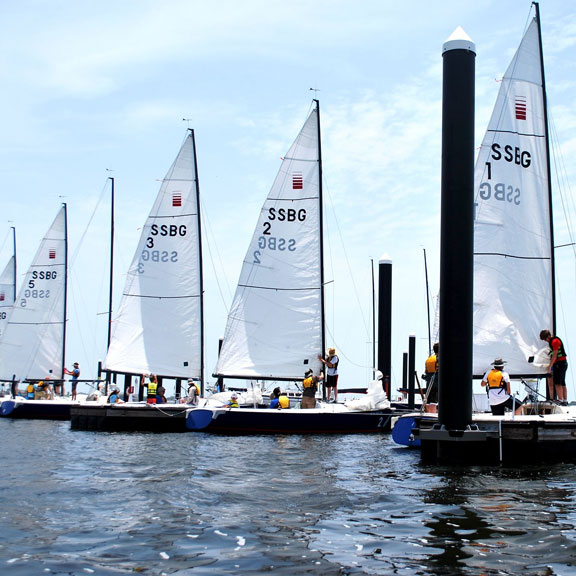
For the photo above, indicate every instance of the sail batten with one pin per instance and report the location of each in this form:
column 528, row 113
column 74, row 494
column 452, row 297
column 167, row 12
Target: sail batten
column 513, row 248
column 158, row 327
column 275, row 324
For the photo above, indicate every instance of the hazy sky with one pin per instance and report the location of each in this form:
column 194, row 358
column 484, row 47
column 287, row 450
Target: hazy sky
column 94, row 89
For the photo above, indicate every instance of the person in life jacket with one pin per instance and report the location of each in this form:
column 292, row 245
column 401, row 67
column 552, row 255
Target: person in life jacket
column 331, row 383
column 430, row 376
column 30, row 390
column 151, row 389
column 497, row 383
column 309, row 389
column 233, row 402
column 193, row 393
column 557, row 367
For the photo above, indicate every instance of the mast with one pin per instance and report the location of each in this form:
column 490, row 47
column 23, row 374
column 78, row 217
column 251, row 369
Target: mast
column 321, row 218
column 427, row 303
column 65, row 290
column 15, row 276
column 111, row 262
column 201, row 263
column 547, row 140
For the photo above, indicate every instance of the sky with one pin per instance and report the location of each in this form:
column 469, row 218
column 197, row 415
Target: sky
column 96, row 89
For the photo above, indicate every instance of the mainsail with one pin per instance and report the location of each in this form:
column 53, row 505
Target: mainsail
column 513, row 246
column 159, row 324
column 7, row 296
column 34, row 337
column 275, row 325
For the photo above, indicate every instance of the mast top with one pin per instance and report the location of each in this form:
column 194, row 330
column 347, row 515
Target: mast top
column 459, row 40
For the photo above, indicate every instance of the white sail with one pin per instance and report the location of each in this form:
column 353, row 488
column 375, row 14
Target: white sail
column 274, row 328
column 33, row 340
column 7, row 283
column 513, row 284
column 158, row 327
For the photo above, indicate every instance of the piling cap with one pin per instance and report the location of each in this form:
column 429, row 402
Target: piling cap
column 459, row 40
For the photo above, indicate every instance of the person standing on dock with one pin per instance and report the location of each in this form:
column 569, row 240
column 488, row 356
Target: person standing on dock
column 557, row 367
column 331, row 382
column 497, row 384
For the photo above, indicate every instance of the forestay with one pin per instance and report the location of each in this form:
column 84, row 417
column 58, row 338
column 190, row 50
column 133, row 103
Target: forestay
column 274, row 328
column 513, row 269
column 158, row 327
column 33, row 341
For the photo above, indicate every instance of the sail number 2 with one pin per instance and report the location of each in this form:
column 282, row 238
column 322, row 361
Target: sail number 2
column 269, row 242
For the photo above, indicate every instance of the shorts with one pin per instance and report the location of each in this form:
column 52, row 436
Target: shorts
column 559, row 373
column 510, row 403
column 331, row 381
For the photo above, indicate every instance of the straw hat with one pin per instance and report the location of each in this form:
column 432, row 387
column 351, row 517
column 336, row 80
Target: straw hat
column 499, row 362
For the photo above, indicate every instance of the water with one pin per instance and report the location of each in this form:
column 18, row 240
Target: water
column 75, row 502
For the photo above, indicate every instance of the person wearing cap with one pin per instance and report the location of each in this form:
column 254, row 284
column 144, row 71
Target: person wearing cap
column 193, row 393
column 233, row 402
column 331, row 363
column 497, row 383
column 557, row 367
column 75, row 373
column 309, row 389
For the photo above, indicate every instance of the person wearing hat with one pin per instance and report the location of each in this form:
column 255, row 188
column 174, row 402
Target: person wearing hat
column 233, row 402
column 309, row 389
column 75, row 373
column 193, row 393
column 331, row 363
column 497, row 383
column 114, row 397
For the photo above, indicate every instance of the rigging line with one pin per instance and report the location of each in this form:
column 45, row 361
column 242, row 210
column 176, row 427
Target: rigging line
column 213, row 244
column 343, row 354
column 351, row 275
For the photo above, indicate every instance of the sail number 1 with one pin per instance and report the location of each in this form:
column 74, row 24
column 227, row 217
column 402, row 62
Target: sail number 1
column 267, row 241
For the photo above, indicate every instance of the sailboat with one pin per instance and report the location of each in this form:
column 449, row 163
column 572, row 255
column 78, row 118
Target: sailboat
column 159, row 326
column 34, row 337
column 275, row 328
column 514, row 259
column 8, row 287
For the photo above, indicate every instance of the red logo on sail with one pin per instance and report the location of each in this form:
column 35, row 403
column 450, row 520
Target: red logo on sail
column 297, row 181
column 2, row 296
column 177, row 199
column 52, row 254
column 520, row 105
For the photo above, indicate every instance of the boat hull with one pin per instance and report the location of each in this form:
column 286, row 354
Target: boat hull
column 130, row 417
column 267, row 421
column 36, row 409
column 494, row 439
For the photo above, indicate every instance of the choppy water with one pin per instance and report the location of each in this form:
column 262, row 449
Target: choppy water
column 74, row 502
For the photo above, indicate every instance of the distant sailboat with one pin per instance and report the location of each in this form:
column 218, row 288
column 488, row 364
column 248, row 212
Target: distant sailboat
column 513, row 241
column 34, row 338
column 159, row 325
column 8, row 288
column 275, row 327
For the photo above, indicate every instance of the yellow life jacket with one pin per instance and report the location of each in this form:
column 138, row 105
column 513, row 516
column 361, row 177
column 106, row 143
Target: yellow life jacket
column 309, row 382
column 495, row 380
column 284, row 402
column 152, row 387
column 431, row 365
